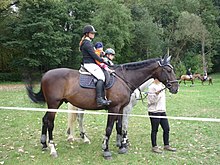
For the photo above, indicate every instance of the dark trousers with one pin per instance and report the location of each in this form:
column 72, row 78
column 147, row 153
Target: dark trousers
column 155, row 122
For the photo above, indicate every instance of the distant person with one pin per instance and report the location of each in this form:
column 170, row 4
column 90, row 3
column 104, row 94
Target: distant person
column 189, row 73
column 157, row 107
column 205, row 76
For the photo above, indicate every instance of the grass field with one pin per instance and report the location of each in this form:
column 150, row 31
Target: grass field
column 197, row 142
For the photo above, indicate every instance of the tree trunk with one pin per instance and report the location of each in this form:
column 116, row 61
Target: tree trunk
column 203, row 56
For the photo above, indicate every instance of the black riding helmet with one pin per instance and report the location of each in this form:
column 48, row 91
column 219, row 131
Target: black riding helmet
column 89, row 29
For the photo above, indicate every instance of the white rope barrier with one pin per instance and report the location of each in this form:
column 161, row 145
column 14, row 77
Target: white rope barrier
column 105, row 113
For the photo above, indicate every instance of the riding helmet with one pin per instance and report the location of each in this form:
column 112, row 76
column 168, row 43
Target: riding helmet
column 98, row 45
column 89, row 29
column 110, row 51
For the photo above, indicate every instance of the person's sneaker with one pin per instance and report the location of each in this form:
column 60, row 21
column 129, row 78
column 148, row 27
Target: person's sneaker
column 169, row 148
column 156, row 150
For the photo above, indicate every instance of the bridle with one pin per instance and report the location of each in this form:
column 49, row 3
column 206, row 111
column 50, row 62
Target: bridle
column 168, row 82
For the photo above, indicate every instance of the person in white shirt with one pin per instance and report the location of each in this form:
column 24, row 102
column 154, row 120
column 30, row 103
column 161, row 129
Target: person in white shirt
column 157, row 107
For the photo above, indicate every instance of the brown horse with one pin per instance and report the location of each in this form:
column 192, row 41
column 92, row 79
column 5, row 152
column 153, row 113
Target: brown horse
column 62, row 85
column 185, row 78
column 209, row 79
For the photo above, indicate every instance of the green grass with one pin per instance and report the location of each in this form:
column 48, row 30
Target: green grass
column 197, row 142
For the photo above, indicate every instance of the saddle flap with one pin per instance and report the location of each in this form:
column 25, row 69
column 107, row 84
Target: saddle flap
column 89, row 81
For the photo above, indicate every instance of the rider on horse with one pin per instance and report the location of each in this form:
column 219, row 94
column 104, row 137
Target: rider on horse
column 189, row 73
column 205, row 76
column 99, row 51
column 89, row 57
column 109, row 55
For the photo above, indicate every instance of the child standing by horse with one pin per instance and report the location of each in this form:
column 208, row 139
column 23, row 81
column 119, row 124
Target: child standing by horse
column 157, row 107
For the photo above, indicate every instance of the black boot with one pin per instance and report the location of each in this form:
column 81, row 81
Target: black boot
column 100, row 93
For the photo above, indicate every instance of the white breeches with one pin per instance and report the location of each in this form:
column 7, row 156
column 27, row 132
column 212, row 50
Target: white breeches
column 95, row 70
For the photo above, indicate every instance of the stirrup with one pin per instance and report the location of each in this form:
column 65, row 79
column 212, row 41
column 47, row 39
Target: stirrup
column 102, row 102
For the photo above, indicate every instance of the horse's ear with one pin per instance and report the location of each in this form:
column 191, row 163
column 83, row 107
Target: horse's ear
column 164, row 59
column 168, row 59
column 161, row 62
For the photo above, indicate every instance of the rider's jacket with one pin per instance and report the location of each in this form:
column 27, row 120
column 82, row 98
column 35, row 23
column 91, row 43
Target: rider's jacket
column 88, row 52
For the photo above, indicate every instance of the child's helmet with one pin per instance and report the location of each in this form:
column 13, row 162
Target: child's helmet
column 110, row 51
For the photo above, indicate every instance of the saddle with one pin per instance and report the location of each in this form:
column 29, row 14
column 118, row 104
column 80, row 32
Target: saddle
column 87, row 80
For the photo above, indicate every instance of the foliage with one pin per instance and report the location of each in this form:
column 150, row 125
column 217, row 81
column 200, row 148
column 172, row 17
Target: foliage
column 10, row 77
column 113, row 23
column 41, row 34
column 45, row 34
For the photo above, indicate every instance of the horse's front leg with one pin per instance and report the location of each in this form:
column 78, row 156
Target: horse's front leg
column 51, row 117
column 192, row 83
column 105, row 146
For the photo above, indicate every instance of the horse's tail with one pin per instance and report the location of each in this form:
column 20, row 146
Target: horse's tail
column 35, row 97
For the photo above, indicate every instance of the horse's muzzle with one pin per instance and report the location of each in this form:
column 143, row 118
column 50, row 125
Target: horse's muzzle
column 173, row 86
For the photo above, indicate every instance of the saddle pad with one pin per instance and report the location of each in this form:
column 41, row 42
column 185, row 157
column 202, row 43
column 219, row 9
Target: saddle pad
column 89, row 81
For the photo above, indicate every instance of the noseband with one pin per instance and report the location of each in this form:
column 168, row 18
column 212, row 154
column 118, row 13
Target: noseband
column 169, row 83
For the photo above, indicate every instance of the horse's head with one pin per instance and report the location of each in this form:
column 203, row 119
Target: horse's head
column 166, row 75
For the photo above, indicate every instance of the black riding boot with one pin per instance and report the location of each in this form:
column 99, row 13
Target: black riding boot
column 100, row 93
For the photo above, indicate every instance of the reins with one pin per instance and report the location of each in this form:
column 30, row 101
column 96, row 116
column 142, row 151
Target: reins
column 168, row 85
column 132, row 88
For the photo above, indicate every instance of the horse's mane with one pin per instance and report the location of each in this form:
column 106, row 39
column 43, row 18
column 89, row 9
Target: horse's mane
column 140, row 64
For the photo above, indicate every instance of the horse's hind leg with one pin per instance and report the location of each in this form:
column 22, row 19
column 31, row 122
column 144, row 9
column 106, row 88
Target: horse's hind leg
column 48, row 125
column 123, row 145
column 126, row 112
column 71, row 123
column 80, row 117
column 51, row 117
column 44, row 131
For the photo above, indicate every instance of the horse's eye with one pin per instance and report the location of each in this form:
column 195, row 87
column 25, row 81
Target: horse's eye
column 168, row 69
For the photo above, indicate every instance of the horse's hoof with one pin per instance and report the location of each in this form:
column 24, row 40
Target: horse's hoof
column 123, row 150
column 54, row 154
column 108, row 158
column 44, row 148
column 118, row 144
column 70, row 139
column 107, row 155
column 86, row 140
column 68, row 131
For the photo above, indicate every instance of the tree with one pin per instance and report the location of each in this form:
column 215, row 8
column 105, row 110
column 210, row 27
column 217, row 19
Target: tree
column 147, row 40
column 6, row 14
column 40, row 34
column 191, row 29
column 113, row 22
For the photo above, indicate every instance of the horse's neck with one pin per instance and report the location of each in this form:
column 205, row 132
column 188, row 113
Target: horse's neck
column 146, row 84
column 138, row 77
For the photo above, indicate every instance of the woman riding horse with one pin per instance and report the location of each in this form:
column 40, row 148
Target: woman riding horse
column 89, row 57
